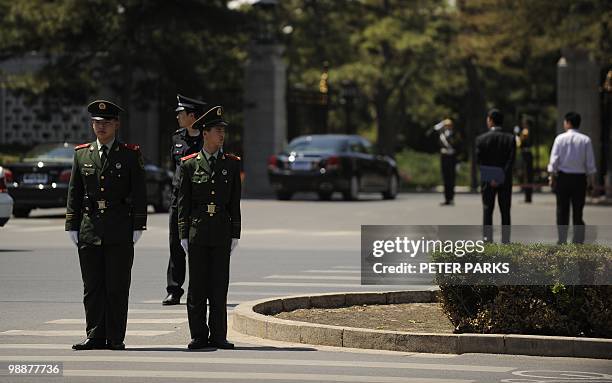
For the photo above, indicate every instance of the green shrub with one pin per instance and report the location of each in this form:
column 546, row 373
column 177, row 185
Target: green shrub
column 555, row 308
column 420, row 170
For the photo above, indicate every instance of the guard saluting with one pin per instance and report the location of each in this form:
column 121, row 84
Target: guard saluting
column 105, row 216
column 209, row 228
column 185, row 140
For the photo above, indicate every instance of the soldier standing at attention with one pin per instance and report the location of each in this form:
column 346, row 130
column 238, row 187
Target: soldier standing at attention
column 449, row 142
column 209, row 228
column 185, row 140
column 105, row 216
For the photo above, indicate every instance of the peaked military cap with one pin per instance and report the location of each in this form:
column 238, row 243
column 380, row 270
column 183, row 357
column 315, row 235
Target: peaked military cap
column 103, row 109
column 214, row 117
column 189, row 104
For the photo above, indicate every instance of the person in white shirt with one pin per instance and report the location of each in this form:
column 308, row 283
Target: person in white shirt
column 571, row 168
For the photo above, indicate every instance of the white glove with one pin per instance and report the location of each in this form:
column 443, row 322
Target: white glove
column 136, row 236
column 233, row 245
column 185, row 245
column 74, row 237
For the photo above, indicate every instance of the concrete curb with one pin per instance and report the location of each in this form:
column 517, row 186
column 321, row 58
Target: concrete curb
column 254, row 318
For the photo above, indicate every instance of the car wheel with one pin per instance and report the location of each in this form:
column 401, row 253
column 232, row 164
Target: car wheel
column 392, row 186
column 352, row 194
column 284, row 196
column 325, row 196
column 21, row 212
column 165, row 194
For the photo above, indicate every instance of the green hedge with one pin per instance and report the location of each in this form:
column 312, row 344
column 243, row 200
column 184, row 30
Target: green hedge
column 552, row 309
column 420, row 170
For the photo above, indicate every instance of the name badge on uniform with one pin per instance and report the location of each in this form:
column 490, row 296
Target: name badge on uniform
column 118, row 165
column 224, row 172
column 178, row 145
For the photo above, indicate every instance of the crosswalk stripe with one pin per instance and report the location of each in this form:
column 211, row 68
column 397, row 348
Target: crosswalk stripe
column 183, row 302
column 334, row 271
column 157, row 311
column 76, row 333
column 322, row 277
column 313, row 285
column 255, row 376
column 35, row 229
column 318, row 233
column 130, row 321
column 261, row 362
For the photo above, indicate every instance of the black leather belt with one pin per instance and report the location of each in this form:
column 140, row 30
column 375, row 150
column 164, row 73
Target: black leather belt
column 103, row 204
column 208, row 208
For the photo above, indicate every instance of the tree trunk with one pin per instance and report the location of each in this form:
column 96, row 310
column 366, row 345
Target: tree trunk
column 476, row 111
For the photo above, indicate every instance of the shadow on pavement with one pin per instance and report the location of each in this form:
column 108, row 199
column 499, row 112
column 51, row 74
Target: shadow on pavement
column 212, row 349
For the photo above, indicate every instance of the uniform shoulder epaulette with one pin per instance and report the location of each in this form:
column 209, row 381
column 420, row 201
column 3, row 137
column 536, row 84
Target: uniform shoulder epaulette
column 134, row 147
column 189, row 156
column 81, row 146
column 232, row 156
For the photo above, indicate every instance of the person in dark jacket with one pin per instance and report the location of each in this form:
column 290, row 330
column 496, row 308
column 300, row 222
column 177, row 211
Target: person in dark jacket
column 185, row 140
column 495, row 152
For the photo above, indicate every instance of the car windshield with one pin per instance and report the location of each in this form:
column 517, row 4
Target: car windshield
column 317, row 144
column 51, row 152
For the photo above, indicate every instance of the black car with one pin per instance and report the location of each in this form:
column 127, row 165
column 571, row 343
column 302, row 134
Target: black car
column 41, row 179
column 327, row 163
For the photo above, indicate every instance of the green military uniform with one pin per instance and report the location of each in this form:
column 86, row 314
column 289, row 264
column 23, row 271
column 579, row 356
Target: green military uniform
column 106, row 204
column 209, row 216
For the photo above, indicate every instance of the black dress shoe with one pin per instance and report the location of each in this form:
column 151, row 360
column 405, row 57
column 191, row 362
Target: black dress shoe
column 115, row 345
column 224, row 344
column 197, row 343
column 90, row 344
column 172, row 299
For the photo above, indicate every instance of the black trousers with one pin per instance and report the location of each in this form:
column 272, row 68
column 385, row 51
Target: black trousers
column 448, row 163
column 504, row 199
column 528, row 178
column 571, row 189
column 208, row 280
column 106, row 271
column 175, row 275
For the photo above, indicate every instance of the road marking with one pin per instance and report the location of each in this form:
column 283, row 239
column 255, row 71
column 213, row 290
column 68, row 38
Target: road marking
column 255, row 376
column 239, row 338
column 130, row 321
column 261, row 361
column 318, row 233
column 37, row 229
column 77, row 333
column 347, row 267
column 326, row 277
column 334, row 271
column 315, row 285
column 261, row 293
column 183, row 302
column 157, row 311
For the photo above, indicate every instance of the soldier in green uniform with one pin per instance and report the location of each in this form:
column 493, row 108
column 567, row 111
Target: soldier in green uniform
column 209, row 228
column 185, row 140
column 105, row 216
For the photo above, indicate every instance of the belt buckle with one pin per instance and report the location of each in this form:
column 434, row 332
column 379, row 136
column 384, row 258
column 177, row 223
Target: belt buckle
column 210, row 208
column 101, row 204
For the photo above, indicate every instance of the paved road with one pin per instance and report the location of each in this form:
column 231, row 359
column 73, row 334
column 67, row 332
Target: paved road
column 292, row 247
